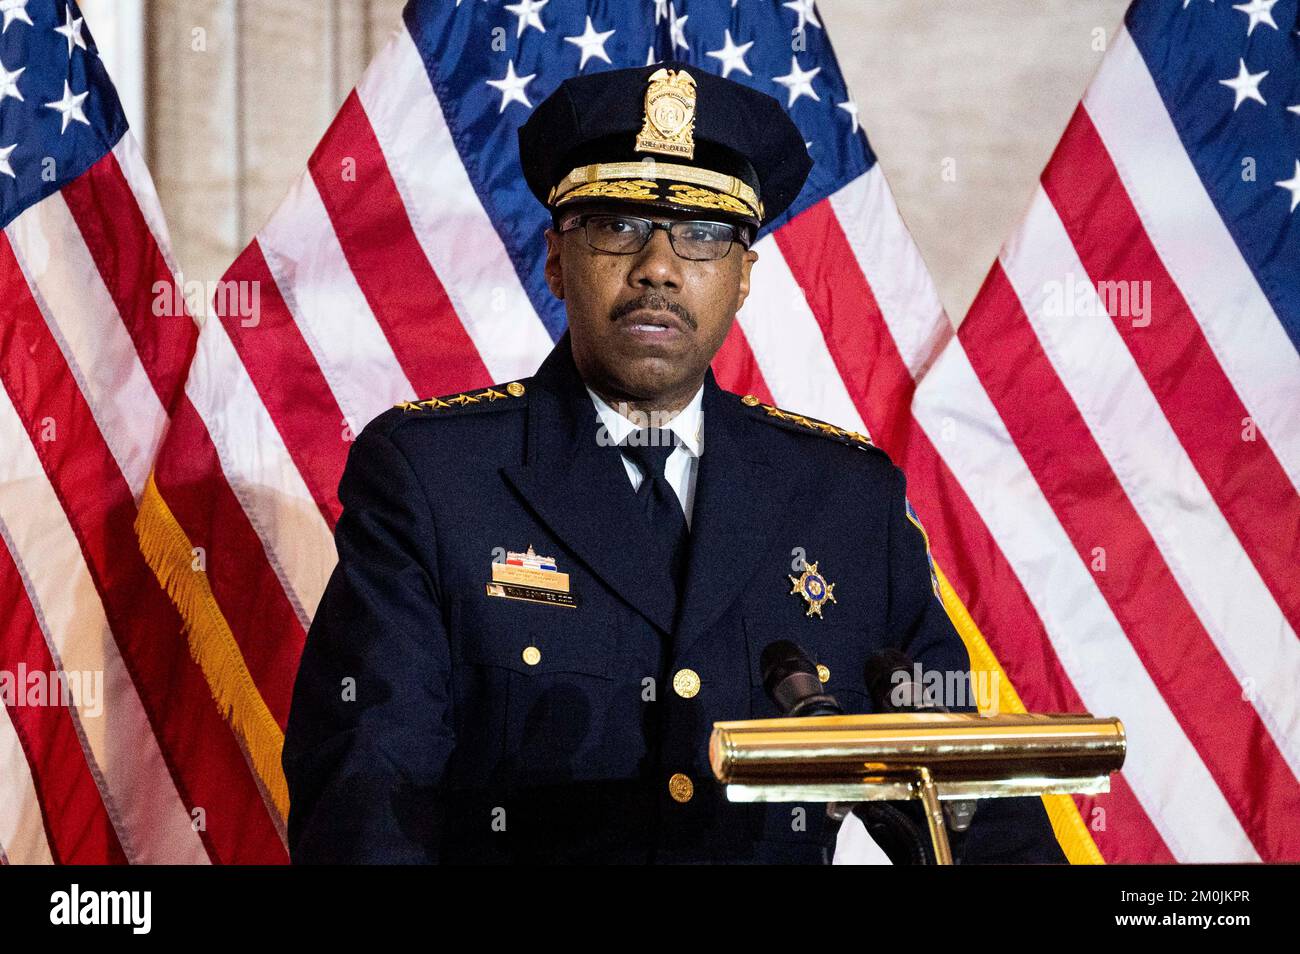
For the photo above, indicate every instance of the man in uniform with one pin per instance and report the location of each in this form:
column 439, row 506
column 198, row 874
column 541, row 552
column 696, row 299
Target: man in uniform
column 548, row 590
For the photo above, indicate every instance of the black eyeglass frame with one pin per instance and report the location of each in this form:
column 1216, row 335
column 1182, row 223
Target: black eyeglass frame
column 739, row 233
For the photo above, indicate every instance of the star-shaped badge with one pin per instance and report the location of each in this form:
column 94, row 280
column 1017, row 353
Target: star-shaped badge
column 812, row 586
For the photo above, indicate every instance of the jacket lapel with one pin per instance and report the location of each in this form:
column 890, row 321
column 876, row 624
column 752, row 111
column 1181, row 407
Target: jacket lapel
column 580, row 489
column 742, row 503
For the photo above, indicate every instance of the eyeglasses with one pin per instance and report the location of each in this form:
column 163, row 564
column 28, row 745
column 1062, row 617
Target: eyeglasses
column 628, row 234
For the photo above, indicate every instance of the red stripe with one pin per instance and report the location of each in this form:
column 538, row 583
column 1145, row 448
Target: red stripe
column 1137, row 584
column 1245, row 478
column 845, row 307
column 962, row 544
column 406, row 297
column 201, row 752
column 1115, row 842
column 188, row 474
column 290, row 383
column 76, row 823
column 131, row 266
column 736, row 370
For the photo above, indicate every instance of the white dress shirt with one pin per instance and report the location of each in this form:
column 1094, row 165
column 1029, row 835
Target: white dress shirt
column 683, row 464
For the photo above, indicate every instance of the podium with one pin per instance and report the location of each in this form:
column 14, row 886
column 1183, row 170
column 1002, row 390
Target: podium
column 927, row 756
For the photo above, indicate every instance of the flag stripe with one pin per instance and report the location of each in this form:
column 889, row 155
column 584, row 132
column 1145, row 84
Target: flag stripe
column 464, row 245
column 736, row 369
column 272, row 349
column 1146, row 457
column 23, row 840
column 1169, row 639
column 1238, row 322
column 1027, row 657
column 406, row 297
column 154, row 825
column 92, row 339
column 312, row 274
column 1089, row 643
column 1246, row 480
column 204, row 760
column 132, row 270
column 842, row 302
column 80, row 831
column 788, row 345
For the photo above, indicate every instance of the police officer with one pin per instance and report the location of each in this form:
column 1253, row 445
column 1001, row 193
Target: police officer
column 548, row 590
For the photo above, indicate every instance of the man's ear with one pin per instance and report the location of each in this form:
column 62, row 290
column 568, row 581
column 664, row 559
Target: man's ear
column 746, row 263
column 554, row 270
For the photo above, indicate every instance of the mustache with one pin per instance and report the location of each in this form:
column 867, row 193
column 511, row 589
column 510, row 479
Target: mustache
column 654, row 302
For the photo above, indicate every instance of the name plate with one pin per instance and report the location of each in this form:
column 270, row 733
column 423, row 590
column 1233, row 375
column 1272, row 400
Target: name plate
column 527, row 576
column 531, row 594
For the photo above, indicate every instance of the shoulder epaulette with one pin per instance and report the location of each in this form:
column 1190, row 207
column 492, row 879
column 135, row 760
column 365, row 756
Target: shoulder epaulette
column 800, row 422
column 485, row 398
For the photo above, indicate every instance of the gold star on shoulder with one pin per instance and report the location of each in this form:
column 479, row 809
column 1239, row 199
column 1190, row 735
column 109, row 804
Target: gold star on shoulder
column 512, row 390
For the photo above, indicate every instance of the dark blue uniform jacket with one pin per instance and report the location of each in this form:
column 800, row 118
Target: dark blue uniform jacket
column 419, row 732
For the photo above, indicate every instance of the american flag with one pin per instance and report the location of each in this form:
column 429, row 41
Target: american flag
column 407, row 262
column 1119, row 422
column 108, row 735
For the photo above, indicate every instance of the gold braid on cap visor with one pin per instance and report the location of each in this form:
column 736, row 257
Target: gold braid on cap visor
column 637, row 181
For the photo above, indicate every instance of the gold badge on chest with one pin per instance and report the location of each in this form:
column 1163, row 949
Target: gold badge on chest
column 812, row 586
column 531, row 577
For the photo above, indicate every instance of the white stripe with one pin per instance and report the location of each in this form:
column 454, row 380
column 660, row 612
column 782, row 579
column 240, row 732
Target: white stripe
column 122, row 744
column 136, row 174
column 892, row 266
column 260, row 472
column 787, row 343
column 303, row 254
column 22, row 831
column 449, row 221
column 1214, row 572
column 1163, row 768
column 95, row 344
column 1195, row 246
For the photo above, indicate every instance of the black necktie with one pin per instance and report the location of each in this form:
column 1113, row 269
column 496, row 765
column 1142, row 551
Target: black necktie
column 649, row 449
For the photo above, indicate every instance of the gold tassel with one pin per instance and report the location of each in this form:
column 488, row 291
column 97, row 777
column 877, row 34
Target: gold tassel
column 1067, row 824
column 170, row 555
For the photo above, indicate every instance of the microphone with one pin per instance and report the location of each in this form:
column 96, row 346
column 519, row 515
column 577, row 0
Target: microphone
column 790, row 680
column 888, row 675
column 892, row 692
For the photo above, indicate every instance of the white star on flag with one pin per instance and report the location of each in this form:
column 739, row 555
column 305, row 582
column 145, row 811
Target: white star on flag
column 1245, row 85
column 527, row 12
column 5, row 168
column 732, row 56
column 512, row 87
column 591, row 43
column 72, row 30
column 14, row 10
column 9, row 83
column 1259, row 11
column 798, row 82
column 676, row 28
column 70, row 106
column 807, row 13
column 1293, row 184
column 661, row 9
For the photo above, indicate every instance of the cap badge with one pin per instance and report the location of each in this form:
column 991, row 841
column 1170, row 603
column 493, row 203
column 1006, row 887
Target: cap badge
column 669, row 121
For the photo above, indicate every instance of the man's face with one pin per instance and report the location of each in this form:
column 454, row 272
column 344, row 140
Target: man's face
column 644, row 326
